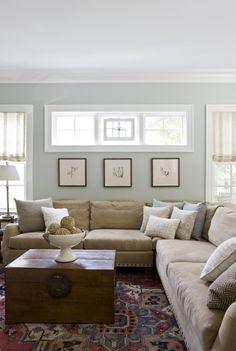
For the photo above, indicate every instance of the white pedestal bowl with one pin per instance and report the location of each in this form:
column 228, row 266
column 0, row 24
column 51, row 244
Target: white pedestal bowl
column 64, row 243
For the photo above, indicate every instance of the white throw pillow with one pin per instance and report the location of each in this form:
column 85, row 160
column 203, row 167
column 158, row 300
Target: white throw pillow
column 220, row 260
column 53, row 215
column 162, row 227
column 187, row 220
column 153, row 211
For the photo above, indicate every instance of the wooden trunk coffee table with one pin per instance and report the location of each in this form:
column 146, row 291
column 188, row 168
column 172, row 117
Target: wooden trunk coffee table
column 38, row 289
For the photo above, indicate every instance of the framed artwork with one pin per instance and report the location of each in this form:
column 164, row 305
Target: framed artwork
column 117, row 172
column 72, row 172
column 165, row 172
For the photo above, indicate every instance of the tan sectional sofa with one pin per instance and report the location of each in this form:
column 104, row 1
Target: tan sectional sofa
column 109, row 225
column 115, row 225
column 179, row 264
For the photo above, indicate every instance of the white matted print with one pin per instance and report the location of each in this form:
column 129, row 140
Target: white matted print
column 165, row 172
column 117, row 172
column 72, row 172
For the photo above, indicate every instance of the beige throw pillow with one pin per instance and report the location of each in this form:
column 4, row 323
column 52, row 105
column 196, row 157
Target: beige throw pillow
column 30, row 216
column 53, row 215
column 153, row 211
column 187, row 220
column 223, row 225
column 222, row 292
column 161, row 227
column 221, row 259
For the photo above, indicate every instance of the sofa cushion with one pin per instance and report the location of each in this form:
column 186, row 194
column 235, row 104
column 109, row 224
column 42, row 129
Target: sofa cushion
column 117, row 239
column 116, row 214
column 187, row 220
column 223, row 225
column 220, row 260
column 183, row 251
column 32, row 240
column 222, row 292
column 200, row 218
column 191, row 295
column 27, row 241
column 153, row 211
column 30, row 216
column 78, row 209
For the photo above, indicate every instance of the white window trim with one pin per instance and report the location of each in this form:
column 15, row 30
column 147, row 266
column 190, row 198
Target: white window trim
column 210, row 109
column 48, row 109
column 28, row 110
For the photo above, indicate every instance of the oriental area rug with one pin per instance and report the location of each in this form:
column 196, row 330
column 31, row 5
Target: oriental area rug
column 144, row 321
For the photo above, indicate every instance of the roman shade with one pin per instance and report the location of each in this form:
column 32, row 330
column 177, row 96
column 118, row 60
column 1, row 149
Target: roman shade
column 12, row 136
column 224, row 136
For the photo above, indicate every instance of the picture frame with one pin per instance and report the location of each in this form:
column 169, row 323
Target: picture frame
column 117, row 172
column 165, row 172
column 72, row 172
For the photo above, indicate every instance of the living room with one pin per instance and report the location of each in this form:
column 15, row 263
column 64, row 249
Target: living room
column 139, row 99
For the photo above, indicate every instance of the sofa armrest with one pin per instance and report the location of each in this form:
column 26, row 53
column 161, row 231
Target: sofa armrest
column 225, row 339
column 10, row 231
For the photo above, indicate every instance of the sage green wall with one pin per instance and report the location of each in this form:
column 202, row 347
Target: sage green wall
column 192, row 165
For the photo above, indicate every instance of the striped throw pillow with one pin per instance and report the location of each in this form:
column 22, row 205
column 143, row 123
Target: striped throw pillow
column 220, row 260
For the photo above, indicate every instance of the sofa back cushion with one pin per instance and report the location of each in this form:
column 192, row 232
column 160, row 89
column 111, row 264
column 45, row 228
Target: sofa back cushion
column 78, row 209
column 116, row 214
column 223, row 225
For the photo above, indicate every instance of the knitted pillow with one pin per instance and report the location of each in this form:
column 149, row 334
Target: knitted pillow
column 222, row 292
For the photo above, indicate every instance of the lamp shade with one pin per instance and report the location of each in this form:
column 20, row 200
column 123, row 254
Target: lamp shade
column 8, row 172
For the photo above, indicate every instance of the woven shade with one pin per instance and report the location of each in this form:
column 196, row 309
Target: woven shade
column 12, row 136
column 224, row 136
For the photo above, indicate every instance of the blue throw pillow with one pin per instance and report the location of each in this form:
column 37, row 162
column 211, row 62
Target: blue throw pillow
column 157, row 203
column 200, row 219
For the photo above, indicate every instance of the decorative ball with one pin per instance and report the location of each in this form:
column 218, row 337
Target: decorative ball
column 62, row 231
column 68, row 222
column 52, row 228
column 75, row 230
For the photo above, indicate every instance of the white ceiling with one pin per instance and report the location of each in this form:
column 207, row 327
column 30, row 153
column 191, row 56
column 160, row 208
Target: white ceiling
column 117, row 40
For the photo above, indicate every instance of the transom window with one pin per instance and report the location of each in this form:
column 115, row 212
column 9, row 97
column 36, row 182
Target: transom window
column 72, row 128
column 119, row 128
column 165, row 129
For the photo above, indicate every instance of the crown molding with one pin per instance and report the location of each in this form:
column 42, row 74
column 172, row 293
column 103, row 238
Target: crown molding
column 77, row 76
